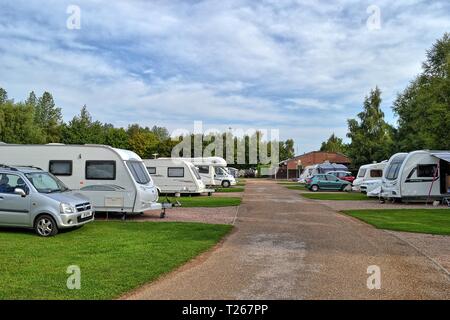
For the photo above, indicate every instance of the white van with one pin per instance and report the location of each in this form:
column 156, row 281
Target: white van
column 418, row 175
column 369, row 177
column 114, row 180
column 213, row 171
column 175, row 176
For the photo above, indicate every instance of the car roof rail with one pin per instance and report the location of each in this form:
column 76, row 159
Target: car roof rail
column 28, row 166
column 4, row 166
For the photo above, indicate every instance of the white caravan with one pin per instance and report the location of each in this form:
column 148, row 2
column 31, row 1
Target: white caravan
column 418, row 175
column 114, row 180
column 322, row 168
column 213, row 171
column 369, row 177
column 175, row 176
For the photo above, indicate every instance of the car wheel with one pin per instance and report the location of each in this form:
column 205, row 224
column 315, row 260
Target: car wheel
column 226, row 184
column 314, row 187
column 45, row 226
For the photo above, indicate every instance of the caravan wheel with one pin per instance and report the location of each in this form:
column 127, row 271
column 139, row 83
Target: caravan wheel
column 226, row 184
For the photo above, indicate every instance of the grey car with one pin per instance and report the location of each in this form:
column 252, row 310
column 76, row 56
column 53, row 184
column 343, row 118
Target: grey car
column 33, row 198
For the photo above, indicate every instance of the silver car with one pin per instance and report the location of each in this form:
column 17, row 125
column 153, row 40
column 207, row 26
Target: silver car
column 33, row 198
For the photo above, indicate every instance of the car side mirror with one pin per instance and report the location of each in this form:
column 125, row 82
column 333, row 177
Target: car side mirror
column 20, row 192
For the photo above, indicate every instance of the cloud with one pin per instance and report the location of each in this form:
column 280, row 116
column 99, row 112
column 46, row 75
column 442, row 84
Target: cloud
column 275, row 64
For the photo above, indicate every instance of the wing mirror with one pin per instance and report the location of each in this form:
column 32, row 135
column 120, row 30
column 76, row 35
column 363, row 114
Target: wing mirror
column 20, row 192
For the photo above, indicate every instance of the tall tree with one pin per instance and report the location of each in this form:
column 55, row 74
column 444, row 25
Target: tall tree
column 423, row 108
column 82, row 129
column 371, row 136
column 3, row 96
column 334, row 144
column 48, row 117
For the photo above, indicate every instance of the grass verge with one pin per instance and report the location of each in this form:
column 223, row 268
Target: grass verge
column 202, row 201
column 337, row 196
column 231, row 189
column 114, row 257
column 432, row 221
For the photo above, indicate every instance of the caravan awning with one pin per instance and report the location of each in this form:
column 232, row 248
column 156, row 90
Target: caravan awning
column 442, row 155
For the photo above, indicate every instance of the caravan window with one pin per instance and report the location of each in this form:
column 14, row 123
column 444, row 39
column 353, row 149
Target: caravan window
column 426, row 170
column 361, row 173
column 60, row 167
column 376, row 173
column 175, row 172
column 203, row 169
column 393, row 171
column 196, row 174
column 138, row 171
column 100, row 170
column 151, row 170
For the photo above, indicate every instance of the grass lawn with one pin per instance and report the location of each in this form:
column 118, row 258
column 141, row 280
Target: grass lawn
column 231, row 189
column 433, row 221
column 240, row 183
column 296, row 187
column 337, row 196
column 114, row 257
column 203, row 201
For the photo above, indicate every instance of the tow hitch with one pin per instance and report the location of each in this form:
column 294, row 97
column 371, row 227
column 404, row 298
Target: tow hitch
column 168, row 205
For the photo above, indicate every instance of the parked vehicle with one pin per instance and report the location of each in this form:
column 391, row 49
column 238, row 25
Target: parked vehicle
column 326, row 182
column 33, row 198
column 175, row 176
column 344, row 175
column 322, row 168
column 369, row 175
column 213, row 171
column 417, row 176
column 233, row 171
column 114, row 180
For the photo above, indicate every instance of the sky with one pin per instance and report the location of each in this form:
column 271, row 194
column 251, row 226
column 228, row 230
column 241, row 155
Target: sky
column 301, row 67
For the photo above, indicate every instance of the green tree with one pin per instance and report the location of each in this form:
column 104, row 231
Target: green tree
column 334, row 144
column 47, row 116
column 371, row 136
column 17, row 124
column 423, row 108
column 82, row 130
column 3, row 96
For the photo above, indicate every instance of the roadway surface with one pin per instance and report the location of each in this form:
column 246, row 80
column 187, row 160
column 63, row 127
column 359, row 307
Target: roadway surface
column 287, row 247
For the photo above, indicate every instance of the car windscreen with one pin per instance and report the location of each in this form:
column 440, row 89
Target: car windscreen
column 139, row 172
column 45, row 182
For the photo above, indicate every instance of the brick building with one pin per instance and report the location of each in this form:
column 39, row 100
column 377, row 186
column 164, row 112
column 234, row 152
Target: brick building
column 292, row 168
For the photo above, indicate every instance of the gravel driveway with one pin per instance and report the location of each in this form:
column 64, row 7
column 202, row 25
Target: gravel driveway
column 287, row 247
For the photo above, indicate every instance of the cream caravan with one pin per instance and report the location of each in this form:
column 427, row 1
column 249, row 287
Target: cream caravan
column 175, row 176
column 114, row 180
column 418, row 175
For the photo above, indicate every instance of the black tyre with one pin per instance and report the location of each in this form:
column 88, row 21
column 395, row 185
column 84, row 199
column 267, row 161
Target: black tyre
column 45, row 226
column 226, row 184
column 314, row 188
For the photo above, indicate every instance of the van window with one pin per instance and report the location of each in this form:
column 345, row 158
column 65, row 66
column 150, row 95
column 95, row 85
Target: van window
column 361, row 173
column 60, row 167
column 203, row 169
column 100, row 170
column 138, row 172
column 151, row 170
column 376, row 173
column 426, row 170
column 175, row 172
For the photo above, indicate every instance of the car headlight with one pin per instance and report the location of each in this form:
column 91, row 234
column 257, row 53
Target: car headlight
column 66, row 208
